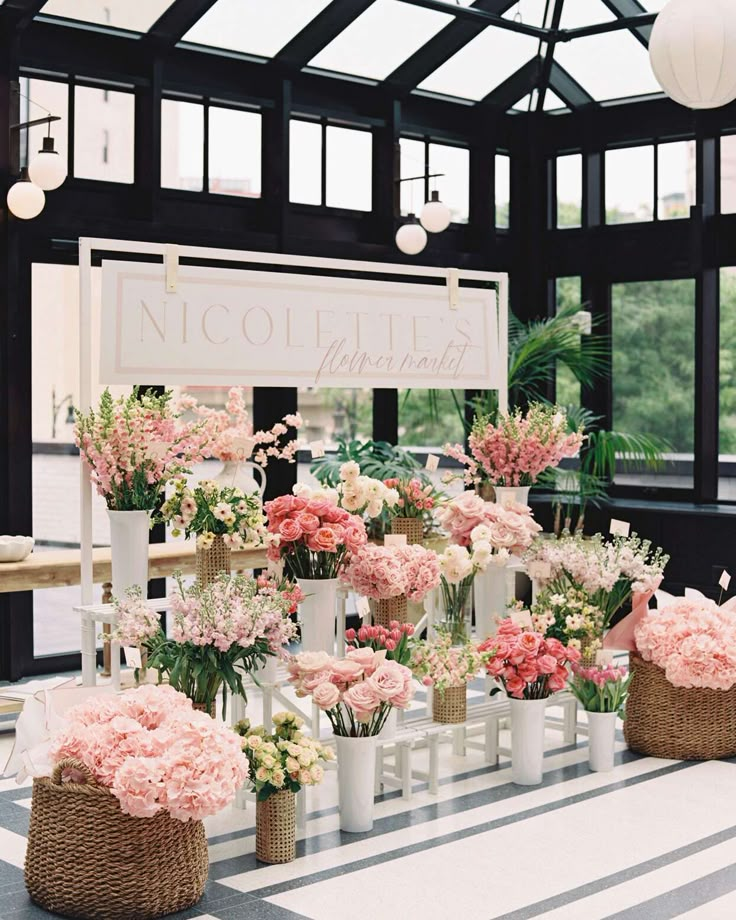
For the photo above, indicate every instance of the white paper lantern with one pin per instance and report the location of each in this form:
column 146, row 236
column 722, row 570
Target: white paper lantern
column 692, row 49
column 411, row 237
column 435, row 216
column 47, row 170
column 25, row 199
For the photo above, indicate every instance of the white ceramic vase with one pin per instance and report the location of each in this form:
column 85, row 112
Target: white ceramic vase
column 317, row 614
column 601, row 741
column 505, row 494
column 390, row 726
column 129, row 551
column 490, row 594
column 237, row 474
column 356, row 779
column 527, row 741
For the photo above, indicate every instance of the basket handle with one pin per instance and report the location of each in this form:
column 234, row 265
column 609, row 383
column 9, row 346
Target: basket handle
column 77, row 768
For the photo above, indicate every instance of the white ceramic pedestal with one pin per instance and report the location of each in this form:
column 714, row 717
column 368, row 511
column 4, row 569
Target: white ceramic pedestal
column 601, row 741
column 129, row 551
column 490, row 598
column 505, row 494
column 527, row 741
column 356, row 779
column 317, row 614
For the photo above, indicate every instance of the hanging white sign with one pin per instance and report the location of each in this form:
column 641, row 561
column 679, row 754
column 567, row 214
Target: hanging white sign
column 225, row 326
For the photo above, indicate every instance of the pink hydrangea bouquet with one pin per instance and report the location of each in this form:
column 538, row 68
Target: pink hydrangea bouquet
column 529, row 665
column 135, row 444
column 381, row 572
column 283, row 759
column 600, row 688
column 207, row 510
column 441, row 664
column 508, row 528
column 154, row 753
column 356, row 692
column 217, row 632
column 518, row 447
column 393, row 639
column 311, row 534
column 609, row 573
column 693, row 640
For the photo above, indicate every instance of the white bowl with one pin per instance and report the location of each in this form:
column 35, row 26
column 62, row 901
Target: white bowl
column 15, row 549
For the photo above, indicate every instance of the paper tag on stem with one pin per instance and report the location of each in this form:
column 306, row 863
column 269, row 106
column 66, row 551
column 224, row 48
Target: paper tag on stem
column 604, row 657
column 433, row 462
column 619, row 528
column 363, row 607
column 394, row 539
column 725, row 580
column 522, row 618
column 244, row 446
column 317, row 448
column 132, row 656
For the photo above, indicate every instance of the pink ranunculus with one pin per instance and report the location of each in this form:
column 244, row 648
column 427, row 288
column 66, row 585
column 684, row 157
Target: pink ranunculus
column 529, row 642
column 326, row 695
column 290, row 530
column 323, row 540
column 515, row 686
column 309, row 523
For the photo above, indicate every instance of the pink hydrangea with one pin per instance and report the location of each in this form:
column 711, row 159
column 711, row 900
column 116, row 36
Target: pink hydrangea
column 381, row 572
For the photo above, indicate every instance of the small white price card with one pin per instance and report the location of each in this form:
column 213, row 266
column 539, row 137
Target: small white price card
column 433, row 462
column 619, row 528
column 363, row 607
column 521, row 617
column 132, row 657
column 725, row 580
column 394, row 539
column 317, row 448
column 244, row 446
column 604, row 657
column 538, row 569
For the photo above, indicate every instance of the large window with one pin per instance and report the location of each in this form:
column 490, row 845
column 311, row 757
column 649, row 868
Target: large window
column 727, row 369
column 653, row 334
column 675, row 179
column 332, row 413
column 182, row 145
column 728, row 174
column 569, row 190
column 423, row 157
column 343, row 156
column 629, row 185
column 54, row 97
column 104, row 134
column 431, row 418
column 567, row 386
column 234, row 163
column 502, row 190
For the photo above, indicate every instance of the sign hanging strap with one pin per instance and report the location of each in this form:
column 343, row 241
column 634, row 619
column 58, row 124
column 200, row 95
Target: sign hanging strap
column 453, row 287
column 171, row 260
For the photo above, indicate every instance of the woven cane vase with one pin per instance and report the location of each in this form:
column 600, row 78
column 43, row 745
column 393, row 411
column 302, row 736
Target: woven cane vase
column 412, row 527
column 676, row 722
column 276, row 828
column 211, row 710
column 589, row 651
column 388, row 609
column 450, row 707
column 212, row 561
column 87, row 859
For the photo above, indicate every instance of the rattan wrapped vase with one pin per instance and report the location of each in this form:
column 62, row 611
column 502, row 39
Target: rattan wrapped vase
column 676, row 722
column 212, row 561
column 589, row 651
column 412, row 527
column 276, row 828
column 390, row 608
column 87, row 859
column 450, row 707
column 211, row 710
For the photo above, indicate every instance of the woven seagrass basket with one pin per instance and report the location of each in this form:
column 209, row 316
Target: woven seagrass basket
column 412, row 527
column 87, row 859
column 212, row 561
column 211, row 710
column 450, row 707
column 390, row 608
column 276, row 828
column 676, row 722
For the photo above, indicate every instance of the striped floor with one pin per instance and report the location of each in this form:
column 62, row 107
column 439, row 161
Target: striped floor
column 655, row 839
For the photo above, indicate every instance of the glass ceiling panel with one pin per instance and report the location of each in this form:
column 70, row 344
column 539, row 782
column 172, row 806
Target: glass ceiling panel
column 551, row 101
column 530, row 12
column 609, row 66
column 121, row 14
column 380, row 39
column 654, row 6
column 260, row 27
column 577, row 13
column 473, row 71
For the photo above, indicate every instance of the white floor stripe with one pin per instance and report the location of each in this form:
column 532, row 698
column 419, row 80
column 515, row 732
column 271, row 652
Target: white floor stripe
column 568, row 846
column 721, row 909
column 12, row 848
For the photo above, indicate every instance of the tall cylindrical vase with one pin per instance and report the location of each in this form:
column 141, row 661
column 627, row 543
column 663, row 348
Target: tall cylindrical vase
column 212, row 561
column 506, row 494
column 527, row 741
column 129, row 551
column 490, row 595
column 356, row 779
column 412, row 527
column 276, row 828
column 601, row 741
column 388, row 609
column 317, row 614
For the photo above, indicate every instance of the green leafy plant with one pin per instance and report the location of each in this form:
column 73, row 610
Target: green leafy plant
column 377, row 459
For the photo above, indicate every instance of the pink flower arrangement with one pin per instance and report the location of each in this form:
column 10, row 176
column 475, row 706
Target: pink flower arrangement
column 313, row 536
column 270, row 585
column 601, row 688
column 440, row 664
column 693, row 641
column 381, row 572
column 415, row 497
column 469, row 520
column 154, row 753
column 517, row 448
column 530, row 666
column 394, row 640
column 356, row 692
column 133, row 445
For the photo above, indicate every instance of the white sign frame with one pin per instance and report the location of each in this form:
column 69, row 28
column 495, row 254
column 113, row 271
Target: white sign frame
column 89, row 245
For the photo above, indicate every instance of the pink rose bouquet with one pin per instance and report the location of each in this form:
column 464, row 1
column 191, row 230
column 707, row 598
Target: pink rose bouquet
column 311, row 534
column 356, row 692
column 517, row 448
column 416, row 499
column 529, row 665
column 509, row 528
column 209, row 511
column 600, row 688
column 133, row 446
column 394, row 640
column 693, row 640
column 154, row 753
column 440, row 664
column 381, row 572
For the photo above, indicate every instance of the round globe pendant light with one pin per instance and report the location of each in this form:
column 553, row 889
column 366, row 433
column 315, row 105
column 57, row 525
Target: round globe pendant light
column 435, row 216
column 47, row 170
column 411, row 238
column 692, row 49
column 25, row 199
